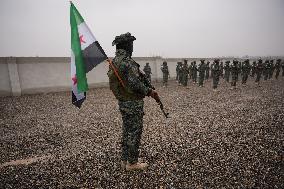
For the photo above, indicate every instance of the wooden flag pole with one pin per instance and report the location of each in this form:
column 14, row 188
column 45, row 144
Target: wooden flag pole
column 115, row 72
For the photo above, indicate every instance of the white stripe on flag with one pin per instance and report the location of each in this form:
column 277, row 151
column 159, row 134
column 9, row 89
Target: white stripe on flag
column 86, row 35
column 81, row 95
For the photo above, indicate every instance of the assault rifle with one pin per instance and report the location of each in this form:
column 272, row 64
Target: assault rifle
column 157, row 98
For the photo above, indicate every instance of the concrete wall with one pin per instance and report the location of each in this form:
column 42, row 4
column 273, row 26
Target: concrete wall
column 28, row 75
column 5, row 87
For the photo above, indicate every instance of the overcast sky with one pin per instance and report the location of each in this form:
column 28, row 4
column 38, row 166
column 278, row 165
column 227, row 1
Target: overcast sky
column 167, row 28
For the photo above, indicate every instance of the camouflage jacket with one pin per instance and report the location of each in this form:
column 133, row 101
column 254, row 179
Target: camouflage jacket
column 215, row 70
column 185, row 69
column 202, row 68
column 277, row 66
column 165, row 69
column 234, row 69
column 147, row 70
column 178, row 68
column 136, row 84
column 246, row 68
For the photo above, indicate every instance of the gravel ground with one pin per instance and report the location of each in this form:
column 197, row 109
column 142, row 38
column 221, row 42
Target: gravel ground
column 224, row 139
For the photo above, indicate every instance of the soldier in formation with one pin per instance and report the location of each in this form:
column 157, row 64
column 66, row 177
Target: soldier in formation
column 277, row 68
column 239, row 69
column 201, row 70
column 165, row 71
column 216, row 73
column 258, row 70
column 221, row 70
column 266, row 70
column 185, row 73
column 282, row 68
column 234, row 71
column 227, row 71
column 190, row 70
column 194, row 71
column 271, row 69
column 178, row 71
column 147, row 71
column 253, row 69
column 245, row 71
column 207, row 70
column 130, row 86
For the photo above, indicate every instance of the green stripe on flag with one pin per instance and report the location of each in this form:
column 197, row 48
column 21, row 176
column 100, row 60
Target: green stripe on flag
column 75, row 16
column 79, row 19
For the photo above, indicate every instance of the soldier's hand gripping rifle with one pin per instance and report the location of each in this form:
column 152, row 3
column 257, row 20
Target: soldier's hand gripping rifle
column 146, row 82
column 154, row 94
column 158, row 100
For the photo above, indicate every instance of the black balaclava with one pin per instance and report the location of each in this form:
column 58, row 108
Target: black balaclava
column 127, row 46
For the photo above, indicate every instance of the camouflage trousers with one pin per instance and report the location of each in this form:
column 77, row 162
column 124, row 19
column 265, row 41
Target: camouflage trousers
column 227, row 76
column 234, row 80
column 270, row 75
column 184, row 79
column 194, row 77
column 244, row 78
column 252, row 73
column 258, row 76
column 132, row 117
column 165, row 79
column 180, row 78
column 207, row 74
column 215, row 81
column 201, row 79
column 277, row 73
column 265, row 75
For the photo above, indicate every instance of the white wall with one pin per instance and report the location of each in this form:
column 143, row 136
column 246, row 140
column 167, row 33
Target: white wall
column 27, row 75
column 5, row 87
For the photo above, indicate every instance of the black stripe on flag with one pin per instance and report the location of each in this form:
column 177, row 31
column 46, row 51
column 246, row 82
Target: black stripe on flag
column 78, row 103
column 93, row 55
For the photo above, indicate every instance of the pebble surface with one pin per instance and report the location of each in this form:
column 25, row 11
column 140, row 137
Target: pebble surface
column 213, row 139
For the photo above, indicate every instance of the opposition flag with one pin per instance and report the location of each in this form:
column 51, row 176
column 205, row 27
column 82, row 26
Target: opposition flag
column 86, row 53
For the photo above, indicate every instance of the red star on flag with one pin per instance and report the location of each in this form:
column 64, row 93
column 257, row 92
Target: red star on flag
column 81, row 39
column 74, row 80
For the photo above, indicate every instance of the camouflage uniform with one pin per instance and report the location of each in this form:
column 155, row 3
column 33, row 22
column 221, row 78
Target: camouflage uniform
column 221, row 70
column 194, row 72
column 147, row 71
column 227, row 71
column 266, row 70
column 185, row 72
column 211, row 66
column 245, row 71
column 234, row 71
column 178, row 71
column 253, row 67
column 207, row 71
column 277, row 68
column 215, row 73
column 239, row 69
column 165, row 71
column 130, row 97
column 201, row 69
column 282, row 68
column 271, row 69
column 258, row 70
column 190, row 70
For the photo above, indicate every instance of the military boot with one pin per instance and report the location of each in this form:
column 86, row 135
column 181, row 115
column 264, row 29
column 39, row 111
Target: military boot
column 136, row 166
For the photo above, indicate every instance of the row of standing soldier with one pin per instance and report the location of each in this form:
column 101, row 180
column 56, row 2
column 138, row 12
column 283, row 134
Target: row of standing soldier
column 235, row 70
column 184, row 72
